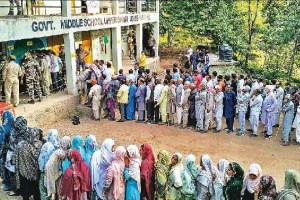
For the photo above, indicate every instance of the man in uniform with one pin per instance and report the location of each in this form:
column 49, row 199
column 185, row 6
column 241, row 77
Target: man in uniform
column 3, row 63
column 31, row 69
column 11, row 7
column 45, row 75
column 11, row 74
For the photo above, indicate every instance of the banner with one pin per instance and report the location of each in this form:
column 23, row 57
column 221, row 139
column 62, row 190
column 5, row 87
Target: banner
column 93, row 6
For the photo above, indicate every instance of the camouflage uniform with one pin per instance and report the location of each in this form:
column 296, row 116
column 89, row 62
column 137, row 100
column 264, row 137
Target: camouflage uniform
column 31, row 69
column 3, row 63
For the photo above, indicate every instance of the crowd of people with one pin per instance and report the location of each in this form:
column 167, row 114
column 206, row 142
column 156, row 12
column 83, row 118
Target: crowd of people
column 49, row 167
column 42, row 72
column 196, row 100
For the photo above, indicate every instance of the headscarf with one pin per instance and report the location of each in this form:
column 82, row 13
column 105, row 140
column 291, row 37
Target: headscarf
column 65, row 143
column 27, row 153
column 101, row 160
column 291, row 185
column 7, row 124
column 147, row 169
column 53, row 137
column 268, row 188
column 77, row 143
column 53, row 170
column 46, row 151
column 96, row 70
column 250, row 184
column 223, row 165
column 206, row 173
column 161, row 172
column 235, row 183
column 90, row 147
column 135, row 164
column 118, row 166
column 189, row 176
column 73, row 186
column 21, row 128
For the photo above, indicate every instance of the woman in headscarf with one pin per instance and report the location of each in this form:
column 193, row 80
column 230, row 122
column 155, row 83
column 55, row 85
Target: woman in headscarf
column 27, row 168
column 220, row 179
column 233, row 186
column 267, row 188
column 53, row 168
column 76, row 180
column 174, row 179
column 46, row 151
column 114, row 184
column 53, row 137
column 291, row 189
column 251, row 182
column 189, row 177
column 77, row 143
column 132, row 173
column 147, row 172
column 16, row 134
column 205, row 179
column 101, row 160
column 161, row 169
column 7, row 125
column 90, row 147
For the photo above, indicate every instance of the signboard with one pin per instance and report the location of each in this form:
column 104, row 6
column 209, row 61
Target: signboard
column 93, row 6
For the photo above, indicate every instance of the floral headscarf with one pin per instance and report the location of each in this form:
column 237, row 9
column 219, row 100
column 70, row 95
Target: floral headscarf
column 268, row 188
column 192, row 167
column 65, row 143
column 291, row 185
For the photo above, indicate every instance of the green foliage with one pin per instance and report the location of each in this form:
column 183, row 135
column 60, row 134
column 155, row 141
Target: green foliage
column 275, row 30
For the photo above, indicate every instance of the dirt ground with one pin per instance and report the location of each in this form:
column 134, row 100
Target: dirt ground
column 273, row 157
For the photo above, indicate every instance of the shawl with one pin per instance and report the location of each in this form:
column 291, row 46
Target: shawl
column 46, row 151
column 189, row 176
column 268, row 188
column 206, row 173
column 147, row 169
column 90, row 147
column 20, row 129
column 179, row 167
column 235, row 184
column 116, row 170
column 134, row 165
column 161, row 172
column 27, row 153
column 291, row 185
column 7, row 125
column 53, row 170
column 53, row 137
column 101, row 159
column 250, row 184
column 223, row 165
column 76, row 179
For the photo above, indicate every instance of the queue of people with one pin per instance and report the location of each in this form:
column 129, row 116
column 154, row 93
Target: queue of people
column 51, row 167
column 42, row 72
column 197, row 100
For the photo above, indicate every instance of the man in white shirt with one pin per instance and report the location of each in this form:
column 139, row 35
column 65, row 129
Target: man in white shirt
column 102, row 66
column 108, row 72
column 157, row 93
column 55, row 62
column 130, row 76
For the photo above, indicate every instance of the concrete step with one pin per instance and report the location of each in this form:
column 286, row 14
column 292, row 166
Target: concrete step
column 83, row 110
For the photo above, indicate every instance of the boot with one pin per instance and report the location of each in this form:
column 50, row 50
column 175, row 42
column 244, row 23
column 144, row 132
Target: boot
column 11, row 12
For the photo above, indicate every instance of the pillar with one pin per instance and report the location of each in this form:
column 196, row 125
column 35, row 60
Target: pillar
column 70, row 63
column 157, row 6
column 138, row 6
column 117, row 47
column 66, row 8
column 156, row 36
column 139, row 39
column 116, row 7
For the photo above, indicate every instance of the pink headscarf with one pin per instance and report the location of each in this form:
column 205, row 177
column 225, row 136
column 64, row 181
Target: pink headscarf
column 250, row 184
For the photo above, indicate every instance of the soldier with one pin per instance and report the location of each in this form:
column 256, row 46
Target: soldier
column 3, row 63
column 11, row 74
column 11, row 7
column 31, row 69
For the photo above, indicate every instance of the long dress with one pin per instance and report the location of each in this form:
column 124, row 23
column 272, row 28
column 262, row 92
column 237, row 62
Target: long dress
column 163, row 103
column 174, row 179
column 90, row 148
column 161, row 175
column 130, row 109
column 234, row 186
column 288, row 109
column 269, row 110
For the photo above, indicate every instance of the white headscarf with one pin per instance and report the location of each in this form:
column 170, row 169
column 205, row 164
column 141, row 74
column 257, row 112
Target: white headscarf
column 106, row 151
column 223, row 164
column 205, row 176
column 249, row 183
column 135, row 164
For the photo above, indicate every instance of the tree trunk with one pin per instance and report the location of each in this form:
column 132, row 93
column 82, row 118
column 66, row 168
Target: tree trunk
column 291, row 69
